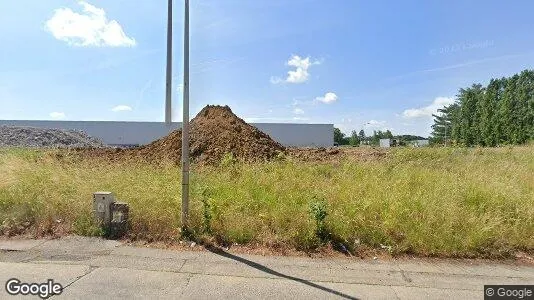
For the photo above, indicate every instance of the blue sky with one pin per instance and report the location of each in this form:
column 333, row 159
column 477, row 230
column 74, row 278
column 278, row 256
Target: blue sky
column 356, row 64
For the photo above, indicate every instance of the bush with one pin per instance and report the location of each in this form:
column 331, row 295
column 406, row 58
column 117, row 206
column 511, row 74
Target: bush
column 86, row 225
column 319, row 213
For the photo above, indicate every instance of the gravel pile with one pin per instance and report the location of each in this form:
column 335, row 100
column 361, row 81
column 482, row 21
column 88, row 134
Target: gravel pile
column 33, row 137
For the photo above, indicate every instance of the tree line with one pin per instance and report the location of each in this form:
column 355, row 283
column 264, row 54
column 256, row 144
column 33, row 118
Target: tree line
column 358, row 138
column 501, row 113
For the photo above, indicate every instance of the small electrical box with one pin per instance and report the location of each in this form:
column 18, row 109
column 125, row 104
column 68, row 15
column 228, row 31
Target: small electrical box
column 102, row 207
column 119, row 220
column 111, row 215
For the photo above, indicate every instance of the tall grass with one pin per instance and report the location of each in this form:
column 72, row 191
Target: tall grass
column 428, row 201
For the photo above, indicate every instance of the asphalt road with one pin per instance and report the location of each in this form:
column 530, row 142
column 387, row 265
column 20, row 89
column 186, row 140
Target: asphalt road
column 90, row 268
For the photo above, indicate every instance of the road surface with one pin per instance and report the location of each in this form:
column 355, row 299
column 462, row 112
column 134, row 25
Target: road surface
column 92, row 268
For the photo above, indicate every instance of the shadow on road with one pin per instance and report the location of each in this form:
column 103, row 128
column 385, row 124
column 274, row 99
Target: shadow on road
column 262, row 268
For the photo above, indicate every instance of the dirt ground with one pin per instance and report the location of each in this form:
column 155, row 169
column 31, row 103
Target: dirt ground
column 216, row 133
column 336, row 154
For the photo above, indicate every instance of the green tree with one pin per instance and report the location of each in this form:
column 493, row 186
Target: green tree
column 361, row 134
column 469, row 130
column 375, row 138
column 500, row 113
column 506, row 112
column 442, row 128
column 524, row 95
column 354, row 139
column 338, row 136
column 528, row 120
column 488, row 121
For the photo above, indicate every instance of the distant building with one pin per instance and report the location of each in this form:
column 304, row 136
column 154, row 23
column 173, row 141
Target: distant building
column 385, row 143
column 142, row 133
column 420, row 143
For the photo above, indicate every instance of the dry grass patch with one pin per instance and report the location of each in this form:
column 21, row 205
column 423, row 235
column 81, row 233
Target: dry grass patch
column 452, row 202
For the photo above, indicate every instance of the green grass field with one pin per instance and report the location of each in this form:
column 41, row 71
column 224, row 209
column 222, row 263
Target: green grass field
column 452, row 202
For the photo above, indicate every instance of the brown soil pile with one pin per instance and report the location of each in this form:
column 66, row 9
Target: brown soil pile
column 215, row 132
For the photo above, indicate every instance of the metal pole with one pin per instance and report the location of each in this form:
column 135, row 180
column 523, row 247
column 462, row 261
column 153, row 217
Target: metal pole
column 168, row 84
column 185, row 124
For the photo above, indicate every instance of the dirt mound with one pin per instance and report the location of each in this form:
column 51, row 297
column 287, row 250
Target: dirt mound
column 215, row 132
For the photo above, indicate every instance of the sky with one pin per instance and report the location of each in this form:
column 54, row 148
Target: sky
column 372, row 65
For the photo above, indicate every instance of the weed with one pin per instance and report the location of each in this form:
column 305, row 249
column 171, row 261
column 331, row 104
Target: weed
column 280, row 156
column 228, row 160
column 319, row 213
column 206, row 211
column 86, row 225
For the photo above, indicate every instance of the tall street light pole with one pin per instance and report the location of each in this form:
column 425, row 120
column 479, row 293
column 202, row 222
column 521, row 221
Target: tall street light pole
column 168, row 84
column 185, row 124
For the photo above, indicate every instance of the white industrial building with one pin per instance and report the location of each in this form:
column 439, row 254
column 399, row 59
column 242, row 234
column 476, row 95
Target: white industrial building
column 140, row 133
column 385, row 143
column 420, row 143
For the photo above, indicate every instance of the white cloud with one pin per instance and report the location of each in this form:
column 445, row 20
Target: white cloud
column 121, row 108
column 180, row 87
column 300, row 74
column 57, row 115
column 89, row 28
column 427, row 111
column 298, row 111
column 328, row 98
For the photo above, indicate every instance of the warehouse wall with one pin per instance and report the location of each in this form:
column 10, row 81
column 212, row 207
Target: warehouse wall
column 318, row 135
column 139, row 133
